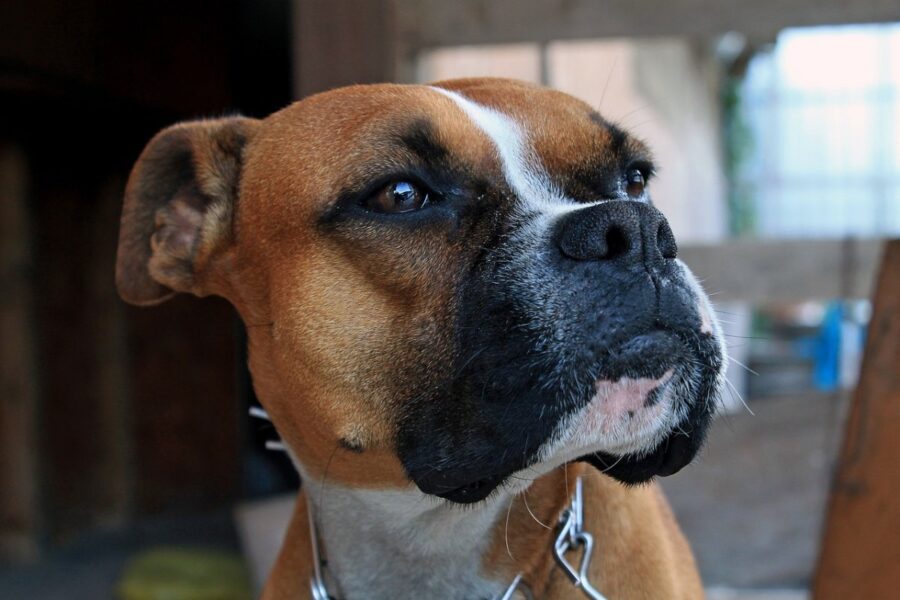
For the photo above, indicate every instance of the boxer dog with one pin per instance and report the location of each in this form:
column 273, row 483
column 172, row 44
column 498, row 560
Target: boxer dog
column 461, row 305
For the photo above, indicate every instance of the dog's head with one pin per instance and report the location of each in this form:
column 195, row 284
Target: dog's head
column 446, row 284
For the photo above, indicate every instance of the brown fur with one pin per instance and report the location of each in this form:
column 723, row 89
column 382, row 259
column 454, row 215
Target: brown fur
column 343, row 324
column 639, row 551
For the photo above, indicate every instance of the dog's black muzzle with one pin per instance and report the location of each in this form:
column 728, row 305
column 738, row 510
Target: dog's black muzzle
column 606, row 300
column 624, row 236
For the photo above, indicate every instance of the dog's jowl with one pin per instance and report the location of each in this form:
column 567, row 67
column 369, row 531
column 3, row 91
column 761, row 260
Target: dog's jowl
column 462, row 302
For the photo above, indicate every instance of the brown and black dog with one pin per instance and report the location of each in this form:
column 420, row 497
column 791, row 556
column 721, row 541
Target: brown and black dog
column 461, row 300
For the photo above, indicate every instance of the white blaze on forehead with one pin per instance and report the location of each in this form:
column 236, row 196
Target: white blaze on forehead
column 521, row 167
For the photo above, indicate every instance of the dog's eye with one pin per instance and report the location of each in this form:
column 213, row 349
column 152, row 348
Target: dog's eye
column 634, row 183
column 397, row 197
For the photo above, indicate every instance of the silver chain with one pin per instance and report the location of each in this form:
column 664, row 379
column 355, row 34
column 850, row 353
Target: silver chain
column 517, row 585
column 316, row 582
column 571, row 537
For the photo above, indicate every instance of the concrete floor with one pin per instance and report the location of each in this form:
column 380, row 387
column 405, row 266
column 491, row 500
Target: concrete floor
column 752, row 505
column 89, row 567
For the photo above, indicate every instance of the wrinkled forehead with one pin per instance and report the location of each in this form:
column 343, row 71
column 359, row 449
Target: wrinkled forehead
column 538, row 141
column 554, row 131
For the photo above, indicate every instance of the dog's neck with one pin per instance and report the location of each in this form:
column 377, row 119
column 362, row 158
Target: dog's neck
column 404, row 544
column 401, row 543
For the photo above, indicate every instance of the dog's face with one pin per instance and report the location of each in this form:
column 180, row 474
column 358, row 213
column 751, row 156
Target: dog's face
column 442, row 284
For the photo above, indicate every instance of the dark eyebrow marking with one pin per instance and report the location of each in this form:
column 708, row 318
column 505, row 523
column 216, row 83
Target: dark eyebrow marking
column 421, row 140
column 618, row 138
column 598, row 119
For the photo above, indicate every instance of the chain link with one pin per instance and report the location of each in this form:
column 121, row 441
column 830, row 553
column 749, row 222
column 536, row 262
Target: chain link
column 572, row 537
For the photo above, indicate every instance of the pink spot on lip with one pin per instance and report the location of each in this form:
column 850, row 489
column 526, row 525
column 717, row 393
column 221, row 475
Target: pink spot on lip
column 627, row 395
column 621, row 403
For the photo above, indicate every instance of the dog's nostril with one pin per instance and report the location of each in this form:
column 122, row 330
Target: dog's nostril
column 617, row 242
column 665, row 241
column 622, row 231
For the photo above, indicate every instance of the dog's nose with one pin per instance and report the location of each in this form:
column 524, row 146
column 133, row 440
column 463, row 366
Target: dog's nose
column 619, row 230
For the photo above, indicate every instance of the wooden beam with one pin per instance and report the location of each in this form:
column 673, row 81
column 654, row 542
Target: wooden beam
column 183, row 51
column 19, row 515
column 184, row 404
column 860, row 555
column 71, row 443
column 441, row 23
column 761, row 271
column 105, row 314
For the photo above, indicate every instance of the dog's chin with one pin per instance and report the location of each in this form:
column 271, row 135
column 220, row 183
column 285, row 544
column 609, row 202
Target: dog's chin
column 675, row 451
column 663, row 452
column 670, row 455
column 640, row 425
column 670, row 446
column 667, row 457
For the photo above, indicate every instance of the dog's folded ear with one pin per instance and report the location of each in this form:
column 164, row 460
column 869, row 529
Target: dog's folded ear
column 177, row 216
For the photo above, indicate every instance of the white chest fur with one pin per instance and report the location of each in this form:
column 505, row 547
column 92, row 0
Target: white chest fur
column 401, row 544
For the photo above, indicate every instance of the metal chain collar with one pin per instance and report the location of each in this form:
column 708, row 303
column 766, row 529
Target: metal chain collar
column 571, row 537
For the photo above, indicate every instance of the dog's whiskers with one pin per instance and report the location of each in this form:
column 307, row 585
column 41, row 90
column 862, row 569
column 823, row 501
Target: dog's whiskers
column 740, row 364
column 506, row 532
column 738, row 394
column 608, row 79
column 528, row 508
column 612, row 466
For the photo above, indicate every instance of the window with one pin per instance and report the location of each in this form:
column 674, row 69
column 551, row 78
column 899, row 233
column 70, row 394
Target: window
column 820, row 116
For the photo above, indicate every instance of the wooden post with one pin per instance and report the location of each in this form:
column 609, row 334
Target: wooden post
column 19, row 514
column 105, row 313
column 860, row 555
column 344, row 42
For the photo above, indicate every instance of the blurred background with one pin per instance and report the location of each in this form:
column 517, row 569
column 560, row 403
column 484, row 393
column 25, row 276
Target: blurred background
column 125, row 445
